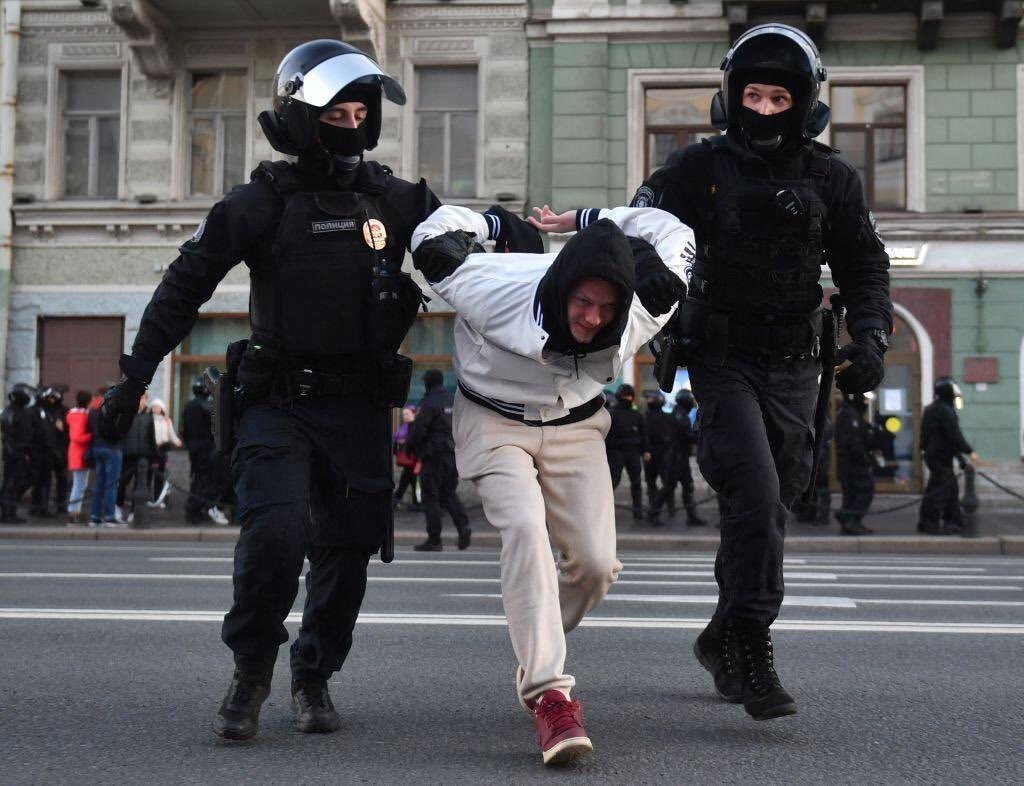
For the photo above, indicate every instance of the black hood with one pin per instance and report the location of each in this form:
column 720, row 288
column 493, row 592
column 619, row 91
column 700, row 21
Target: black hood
column 599, row 251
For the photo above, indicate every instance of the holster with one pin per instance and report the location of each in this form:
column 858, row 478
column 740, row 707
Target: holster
column 222, row 393
column 395, row 379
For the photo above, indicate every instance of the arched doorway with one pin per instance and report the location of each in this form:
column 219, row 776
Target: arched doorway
column 895, row 409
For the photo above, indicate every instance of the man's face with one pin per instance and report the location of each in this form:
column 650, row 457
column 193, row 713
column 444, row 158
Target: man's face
column 348, row 114
column 592, row 305
column 766, row 99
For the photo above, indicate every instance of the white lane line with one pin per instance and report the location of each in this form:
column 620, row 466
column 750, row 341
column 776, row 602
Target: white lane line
column 711, row 600
column 497, row 620
column 835, row 585
column 494, row 580
column 939, row 602
column 817, row 576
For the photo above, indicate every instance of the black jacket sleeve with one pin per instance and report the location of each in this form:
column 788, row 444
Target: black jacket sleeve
column 954, row 435
column 855, row 252
column 249, row 214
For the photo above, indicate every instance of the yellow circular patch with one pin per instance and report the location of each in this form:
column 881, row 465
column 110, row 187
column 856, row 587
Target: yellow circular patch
column 375, row 235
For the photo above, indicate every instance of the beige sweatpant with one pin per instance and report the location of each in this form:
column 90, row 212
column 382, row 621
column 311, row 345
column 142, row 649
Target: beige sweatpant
column 528, row 477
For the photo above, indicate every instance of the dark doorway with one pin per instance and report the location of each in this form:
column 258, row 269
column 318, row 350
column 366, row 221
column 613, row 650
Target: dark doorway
column 80, row 352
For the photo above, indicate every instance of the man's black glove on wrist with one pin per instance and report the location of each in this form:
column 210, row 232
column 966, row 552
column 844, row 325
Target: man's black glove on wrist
column 119, row 408
column 657, row 287
column 438, row 257
column 867, row 368
column 514, row 234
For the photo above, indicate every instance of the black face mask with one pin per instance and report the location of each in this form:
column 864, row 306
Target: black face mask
column 653, row 406
column 343, row 141
column 766, row 132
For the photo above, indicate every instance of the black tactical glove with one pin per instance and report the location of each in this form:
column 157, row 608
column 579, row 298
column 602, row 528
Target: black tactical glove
column 514, row 235
column 438, row 257
column 867, row 368
column 657, row 287
column 119, row 408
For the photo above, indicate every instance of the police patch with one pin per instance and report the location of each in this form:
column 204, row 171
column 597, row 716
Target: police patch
column 335, row 225
column 644, row 197
column 874, row 227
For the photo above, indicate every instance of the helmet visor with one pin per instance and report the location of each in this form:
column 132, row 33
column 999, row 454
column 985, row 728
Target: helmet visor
column 326, row 79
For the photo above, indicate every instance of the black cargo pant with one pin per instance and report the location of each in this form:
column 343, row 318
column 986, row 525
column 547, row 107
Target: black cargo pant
column 858, row 491
column 631, row 460
column 657, row 473
column 438, row 480
column 313, row 479
column 941, row 497
column 17, row 473
column 678, row 473
column 48, row 465
column 755, row 448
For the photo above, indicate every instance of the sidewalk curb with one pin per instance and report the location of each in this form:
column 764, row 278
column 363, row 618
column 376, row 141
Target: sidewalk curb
column 876, row 544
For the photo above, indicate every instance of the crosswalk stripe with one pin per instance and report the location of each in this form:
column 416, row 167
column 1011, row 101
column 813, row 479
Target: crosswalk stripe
column 497, row 620
column 790, row 600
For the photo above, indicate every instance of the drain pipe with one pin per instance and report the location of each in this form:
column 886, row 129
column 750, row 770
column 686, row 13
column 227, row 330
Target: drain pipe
column 11, row 22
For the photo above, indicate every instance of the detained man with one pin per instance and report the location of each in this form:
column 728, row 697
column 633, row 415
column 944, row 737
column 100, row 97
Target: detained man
column 537, row 339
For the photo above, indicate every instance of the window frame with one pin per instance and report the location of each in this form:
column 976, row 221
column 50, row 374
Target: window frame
column 409, row 130
column 218, row 116
column 54, row 163
column 417, row 114
column 912, row 79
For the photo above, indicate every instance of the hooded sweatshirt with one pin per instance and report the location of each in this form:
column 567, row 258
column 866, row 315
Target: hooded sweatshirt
column 513, row 349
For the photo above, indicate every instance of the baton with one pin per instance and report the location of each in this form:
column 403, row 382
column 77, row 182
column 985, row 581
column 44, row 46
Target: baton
column 832, row 325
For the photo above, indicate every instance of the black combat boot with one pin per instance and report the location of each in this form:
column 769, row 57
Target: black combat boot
column 715, row 649
column 465, row 535
column 763, row 694
column 239, row 715
column 693, row 519
column 429, row 545
column 314, row 710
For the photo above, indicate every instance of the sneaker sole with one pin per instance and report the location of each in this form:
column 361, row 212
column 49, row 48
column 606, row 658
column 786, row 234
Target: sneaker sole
column 568, row 751
column 707, row 667
column 781, row 711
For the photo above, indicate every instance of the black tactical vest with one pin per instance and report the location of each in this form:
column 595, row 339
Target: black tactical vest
column 316, row 299
column 765, row 250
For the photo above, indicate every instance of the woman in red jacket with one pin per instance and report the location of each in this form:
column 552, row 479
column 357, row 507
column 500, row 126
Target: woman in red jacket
column 78, row 431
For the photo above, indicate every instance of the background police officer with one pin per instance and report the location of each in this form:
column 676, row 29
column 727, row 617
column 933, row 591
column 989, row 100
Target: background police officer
column 16, row 429
column 431, row 441
column 768, row 207
column 323, row 239
column 855, row 445
column 626, row 445
column 658, row 426
column 941, row 442
column 679, row 464
column 197, row 434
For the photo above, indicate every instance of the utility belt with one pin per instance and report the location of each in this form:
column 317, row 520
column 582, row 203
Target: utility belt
column 257, row 372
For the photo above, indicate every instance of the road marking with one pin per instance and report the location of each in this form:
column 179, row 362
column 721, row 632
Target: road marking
column 497, row 620
column 790, row 600
column 835, row 585
column 935, row 602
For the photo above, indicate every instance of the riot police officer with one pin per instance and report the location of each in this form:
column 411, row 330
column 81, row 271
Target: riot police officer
column 768, row 207
column 49, row 452
column 17, row 432
column 431, row 441
column 941, row 442
column 855, row 445
column 679, row 464
column 658, row 425
column 626, row 445
column 323, row 239
column 197, row 434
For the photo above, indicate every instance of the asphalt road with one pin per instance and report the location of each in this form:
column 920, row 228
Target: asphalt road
column 904, row 669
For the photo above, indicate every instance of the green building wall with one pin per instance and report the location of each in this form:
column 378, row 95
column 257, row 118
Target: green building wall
column 991, row 419
column 970, row 105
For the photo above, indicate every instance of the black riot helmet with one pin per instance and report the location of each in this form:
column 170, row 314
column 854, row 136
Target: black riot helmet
column 199, row 388
column 314, row 76
column 948, row 391
column 655, row 400
column 685, row 400
column 774, row 54
column 21, row 395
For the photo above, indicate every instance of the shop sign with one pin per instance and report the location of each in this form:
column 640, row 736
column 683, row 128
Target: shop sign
column 906, row 255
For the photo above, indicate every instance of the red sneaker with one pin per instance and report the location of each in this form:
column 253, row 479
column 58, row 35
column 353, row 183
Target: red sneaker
column 560, row 732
